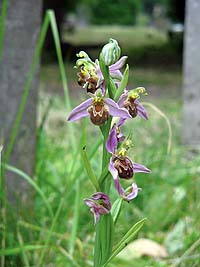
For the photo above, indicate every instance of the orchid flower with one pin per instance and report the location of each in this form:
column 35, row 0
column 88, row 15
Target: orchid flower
column 87, row 75
column 129, row 100
column 121, row 166
column 115, row 68
column 99, row 204
column 90, row 76
column 99, row 109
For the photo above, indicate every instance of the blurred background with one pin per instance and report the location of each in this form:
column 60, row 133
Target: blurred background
column 151, row 34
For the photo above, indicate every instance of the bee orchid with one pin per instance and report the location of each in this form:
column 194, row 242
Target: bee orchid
column 129, row 100
column 98, row 109
column 123, row 167
column 90, row 76
column 99, row 204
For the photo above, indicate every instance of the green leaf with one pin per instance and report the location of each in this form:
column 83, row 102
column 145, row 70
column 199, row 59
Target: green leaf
column 116, row 208
column 112, row 88
column 126, row 240
column 123, row 84
column 50, row 14
column 104, row 70
column 89, row 170
column 103, row 240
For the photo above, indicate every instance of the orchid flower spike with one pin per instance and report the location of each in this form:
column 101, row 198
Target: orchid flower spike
column 129, row 100
column 99, row 109
column 99, row 204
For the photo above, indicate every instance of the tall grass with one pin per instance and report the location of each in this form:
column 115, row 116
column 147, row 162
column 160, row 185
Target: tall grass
column 49, row 20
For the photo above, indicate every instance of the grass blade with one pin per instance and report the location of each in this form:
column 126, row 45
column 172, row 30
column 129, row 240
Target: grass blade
column 89, row 170
column 21, row 243
column 123, row 84
column 18, row 250
column 51, row 16
column 33, row 184
column 2, row 24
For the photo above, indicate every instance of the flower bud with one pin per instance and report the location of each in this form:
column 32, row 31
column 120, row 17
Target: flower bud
column 111, row 52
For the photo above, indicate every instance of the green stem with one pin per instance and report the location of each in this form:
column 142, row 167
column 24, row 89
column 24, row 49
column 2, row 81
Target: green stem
column 2, row 24
column 56, row 37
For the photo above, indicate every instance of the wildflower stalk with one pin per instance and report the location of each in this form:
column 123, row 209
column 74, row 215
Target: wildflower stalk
column 106, row 86
column 104, row 228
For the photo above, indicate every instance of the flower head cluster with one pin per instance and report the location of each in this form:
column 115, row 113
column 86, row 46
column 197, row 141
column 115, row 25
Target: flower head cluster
column 101, row 105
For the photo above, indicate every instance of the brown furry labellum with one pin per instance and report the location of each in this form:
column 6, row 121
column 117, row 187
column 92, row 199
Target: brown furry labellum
column 99, row 113
column 92, row 85
column 124, row 167
column 131, row 106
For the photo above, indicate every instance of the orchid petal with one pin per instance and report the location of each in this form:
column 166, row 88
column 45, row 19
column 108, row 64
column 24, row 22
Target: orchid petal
column 96, row 217
column 116, row 74
column 80, row 111
column 115, row 110
column 106, row 199
column 121, row 122
column 119, row 64
column 111, row 143
column 114, row 173
column 120, row 137
column 117, row 84
column 141, row 110
column 90, row 203
column 103, row 88
column 122, row 98
column 140, row 168
column 132, row 192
